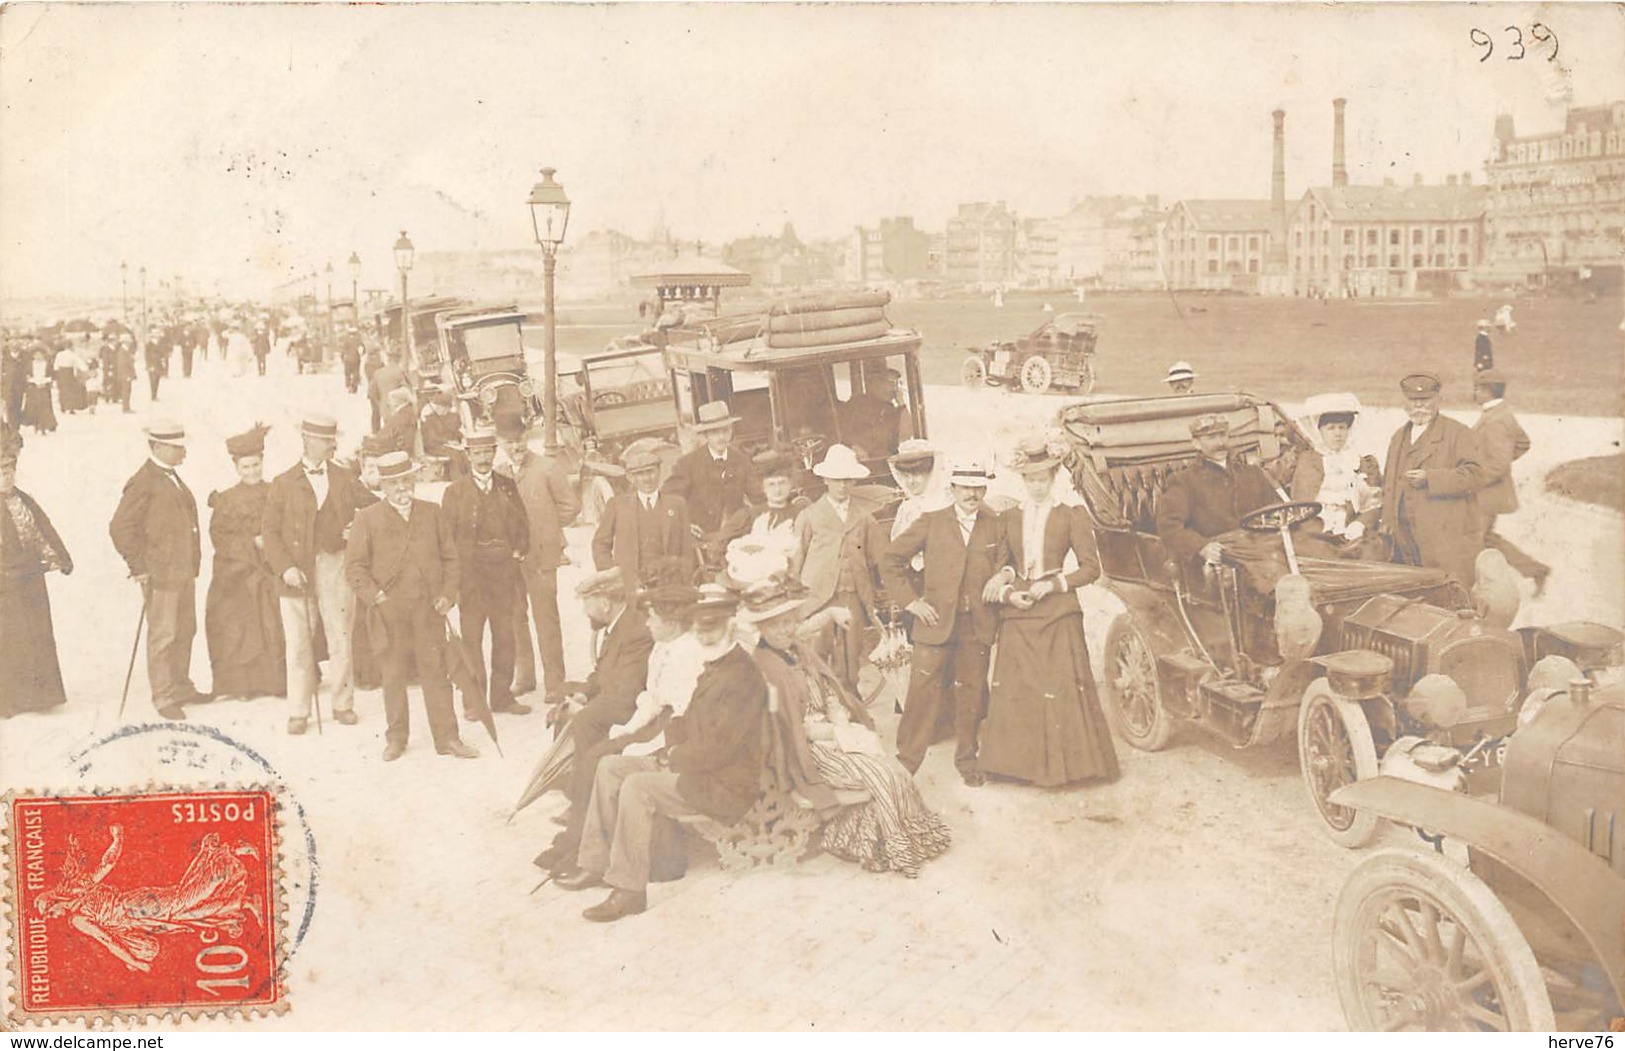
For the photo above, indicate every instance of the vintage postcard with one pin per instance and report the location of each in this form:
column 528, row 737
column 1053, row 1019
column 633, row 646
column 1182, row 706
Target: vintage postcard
column 812, row 517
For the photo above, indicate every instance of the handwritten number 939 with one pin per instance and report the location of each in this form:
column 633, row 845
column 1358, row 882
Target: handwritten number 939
column 1517, row 50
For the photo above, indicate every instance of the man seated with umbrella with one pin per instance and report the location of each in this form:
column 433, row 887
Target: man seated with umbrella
column 711, row 766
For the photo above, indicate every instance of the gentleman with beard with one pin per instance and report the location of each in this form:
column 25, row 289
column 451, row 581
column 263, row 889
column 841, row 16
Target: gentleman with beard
column 1430, row 485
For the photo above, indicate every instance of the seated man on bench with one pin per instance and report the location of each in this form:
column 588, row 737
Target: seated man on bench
column 1210, row 498
column 711, row 765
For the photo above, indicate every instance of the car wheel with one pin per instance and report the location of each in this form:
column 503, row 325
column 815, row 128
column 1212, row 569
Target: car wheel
column 1035, row 375
column 1086, row 377
column 973, row 372
column 1420, row 943
column 1335, row 749
column 1134, row 688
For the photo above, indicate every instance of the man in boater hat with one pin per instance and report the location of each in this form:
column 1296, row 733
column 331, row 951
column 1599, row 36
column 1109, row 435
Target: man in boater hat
column 307, row 517
column 155, row 531
column 716, row 479
column 402, row 561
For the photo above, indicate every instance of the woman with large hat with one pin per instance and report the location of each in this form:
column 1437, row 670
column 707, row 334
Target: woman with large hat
column 1348, row 486
column 241, row 617
column 1044, row 724
column 825, row 741
column 30, row 675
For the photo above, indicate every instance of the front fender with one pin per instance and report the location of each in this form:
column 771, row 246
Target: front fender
column 1579, row 883
column 1153, row 612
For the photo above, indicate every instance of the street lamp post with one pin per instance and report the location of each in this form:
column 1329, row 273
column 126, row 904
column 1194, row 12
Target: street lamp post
column 403, row 263
column 124, row 291
column 355, row 286
column 549, row 215
column 143, row 308
column 327, row 342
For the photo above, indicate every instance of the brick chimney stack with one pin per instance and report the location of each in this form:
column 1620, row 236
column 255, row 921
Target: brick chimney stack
column 1340, row 172
column 1277, row 253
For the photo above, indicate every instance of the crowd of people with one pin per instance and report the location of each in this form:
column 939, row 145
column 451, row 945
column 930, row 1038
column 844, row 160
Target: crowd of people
column 713, row 681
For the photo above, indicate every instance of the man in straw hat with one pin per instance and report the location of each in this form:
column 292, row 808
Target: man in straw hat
column 155, row 531
column 551, row 503
column 308, row 515
column 402, row 561
column 964, row 549
column 1181, row 378
column 711, row 765
column 1210, row 496
column 644, row 531
column 716, row 479
column 1430, row 485
column 831, row 556
column 492, row 533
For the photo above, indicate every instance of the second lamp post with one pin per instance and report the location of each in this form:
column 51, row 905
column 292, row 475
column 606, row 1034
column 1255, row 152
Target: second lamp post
column 403, row 263
column 549, row 215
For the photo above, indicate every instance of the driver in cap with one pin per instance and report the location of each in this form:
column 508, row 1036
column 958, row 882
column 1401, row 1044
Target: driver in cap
column 1211, row 496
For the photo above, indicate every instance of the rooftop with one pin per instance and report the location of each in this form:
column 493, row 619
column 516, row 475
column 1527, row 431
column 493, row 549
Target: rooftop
column 1227, row 215
column 1402, row 203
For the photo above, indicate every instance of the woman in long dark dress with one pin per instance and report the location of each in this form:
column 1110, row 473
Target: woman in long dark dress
column 1044, row 724
column 38, row 412
column 241, row 619
column 30, row 675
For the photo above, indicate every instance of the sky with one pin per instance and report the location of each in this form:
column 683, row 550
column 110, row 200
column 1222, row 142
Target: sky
column 241, row 145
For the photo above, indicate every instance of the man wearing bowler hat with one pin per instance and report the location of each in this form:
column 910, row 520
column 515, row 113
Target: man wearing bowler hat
column 155, row 531
column 492, row 534
column 964, row 549
column 308, row 514
column 402, row 561
column 644, row 531
column 716, row 479
column 1430, row 485
column 551, row 503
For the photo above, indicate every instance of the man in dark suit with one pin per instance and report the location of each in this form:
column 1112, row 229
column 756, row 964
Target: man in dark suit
column 964, row 549
column 157, row 362
column 262, row 349
column 1483, row 349
column 155, row 531
column 1501, row 440
column 1430, row 485
column 716, row 479
column 402, row 561
column 124, row 370
column 492, row 534
column 1211, row 496
column 831, row 559
column 551, row 503
column 645, row 532
column 307, row 516
column 711, row 765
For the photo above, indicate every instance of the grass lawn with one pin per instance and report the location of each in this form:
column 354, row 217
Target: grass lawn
column 1563, row 358
column 1596, row 480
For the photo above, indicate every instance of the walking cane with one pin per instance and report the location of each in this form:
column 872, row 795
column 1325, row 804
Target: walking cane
column 310, row 636
column 134, row 647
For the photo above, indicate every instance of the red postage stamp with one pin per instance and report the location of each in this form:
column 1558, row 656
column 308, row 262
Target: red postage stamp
column 161, row 902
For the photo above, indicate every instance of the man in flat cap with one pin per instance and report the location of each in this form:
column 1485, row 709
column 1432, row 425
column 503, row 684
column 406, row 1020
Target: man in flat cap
column 620, row 651
column 711, row 765
column 551, row 503
column 1501, row 440
column 492, row 533
column 716, row 479
column 1430, row 485
column 308, row 515
column 644, row 531
column 155, row 531
column 1211, row 496
column 402, row 561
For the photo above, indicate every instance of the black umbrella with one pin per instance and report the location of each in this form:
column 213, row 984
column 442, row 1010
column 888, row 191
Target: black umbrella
column 466, row 670
column 555, row 764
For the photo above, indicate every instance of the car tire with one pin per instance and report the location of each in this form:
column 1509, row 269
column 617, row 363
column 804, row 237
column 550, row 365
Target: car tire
column 1419, row 942
column 1086, row 377
column 1335, row 749
column 1133, row 688
column 1036, row 375
column 973, row 373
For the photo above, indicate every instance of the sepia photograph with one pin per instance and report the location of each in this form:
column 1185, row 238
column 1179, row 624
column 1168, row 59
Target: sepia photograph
column 907, row 517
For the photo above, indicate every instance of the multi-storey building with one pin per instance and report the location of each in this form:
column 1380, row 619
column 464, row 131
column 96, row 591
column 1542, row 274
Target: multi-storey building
column 1216, row 245
column 893, row 251
column 1557, row 198
column 1385, row 240
column 981, row 244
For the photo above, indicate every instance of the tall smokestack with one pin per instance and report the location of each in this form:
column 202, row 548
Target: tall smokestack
column 1340, row 172
column 1277, row 255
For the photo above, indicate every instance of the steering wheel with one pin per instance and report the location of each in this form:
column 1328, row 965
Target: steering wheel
column 1272, row 518
column 608, row 397
column 809, row 446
